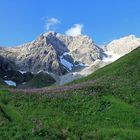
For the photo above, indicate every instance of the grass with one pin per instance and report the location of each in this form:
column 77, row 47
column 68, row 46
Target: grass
column 107, row 110
column 75, row 116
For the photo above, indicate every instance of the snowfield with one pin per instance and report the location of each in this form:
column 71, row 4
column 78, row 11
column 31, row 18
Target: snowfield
column 111, row 57
column 10, row 83
column 66, row 63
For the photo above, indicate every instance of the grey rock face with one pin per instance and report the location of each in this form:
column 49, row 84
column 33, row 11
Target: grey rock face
column 44, row 53
column 6, row 65
column 81, row 48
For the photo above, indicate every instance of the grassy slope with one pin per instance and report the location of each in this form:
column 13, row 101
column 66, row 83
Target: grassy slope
column 110, row 109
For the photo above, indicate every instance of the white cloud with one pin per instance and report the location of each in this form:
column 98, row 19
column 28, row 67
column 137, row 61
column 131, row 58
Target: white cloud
column 51, row 23
column 75, row 30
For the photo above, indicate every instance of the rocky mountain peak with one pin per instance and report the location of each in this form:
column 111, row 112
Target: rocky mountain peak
column 50, row 33
column 62, row 55
column 123, row 45
column 131, row 36
column 54, row 53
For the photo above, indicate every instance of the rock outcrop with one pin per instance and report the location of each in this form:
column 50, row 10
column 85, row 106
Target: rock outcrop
column 81, row 48
column 5, row 65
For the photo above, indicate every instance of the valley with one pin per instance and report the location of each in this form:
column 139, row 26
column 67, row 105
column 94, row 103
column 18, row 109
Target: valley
column 106, row 108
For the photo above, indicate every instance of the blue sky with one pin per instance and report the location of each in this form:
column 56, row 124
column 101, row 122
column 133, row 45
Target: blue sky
column 103, row 20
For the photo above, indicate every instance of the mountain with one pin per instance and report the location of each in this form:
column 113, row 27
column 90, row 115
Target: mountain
column 110, row 53
column 123, row 45
column 53, row 53
column 65, row 58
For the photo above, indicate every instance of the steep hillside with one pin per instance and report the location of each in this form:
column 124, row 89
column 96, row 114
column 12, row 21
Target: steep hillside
column 107, row 109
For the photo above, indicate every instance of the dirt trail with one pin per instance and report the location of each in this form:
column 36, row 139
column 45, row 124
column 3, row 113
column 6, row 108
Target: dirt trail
column 54, row 89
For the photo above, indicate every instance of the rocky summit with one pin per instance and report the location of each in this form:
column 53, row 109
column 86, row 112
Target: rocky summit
column 53, row 53
column 124, row 45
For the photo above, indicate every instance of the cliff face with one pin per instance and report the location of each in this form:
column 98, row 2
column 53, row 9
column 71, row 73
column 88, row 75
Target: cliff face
column 5, row 65
column 82, row 48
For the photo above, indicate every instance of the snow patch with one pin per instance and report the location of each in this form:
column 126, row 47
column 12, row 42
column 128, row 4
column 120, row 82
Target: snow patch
column 66, row 53
column 39, row 71
column 10, row 83
column 23, row 83
column 64, row 62
column 111, row 57
column 80, row 64
column 22, row 72
column 74, row 73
